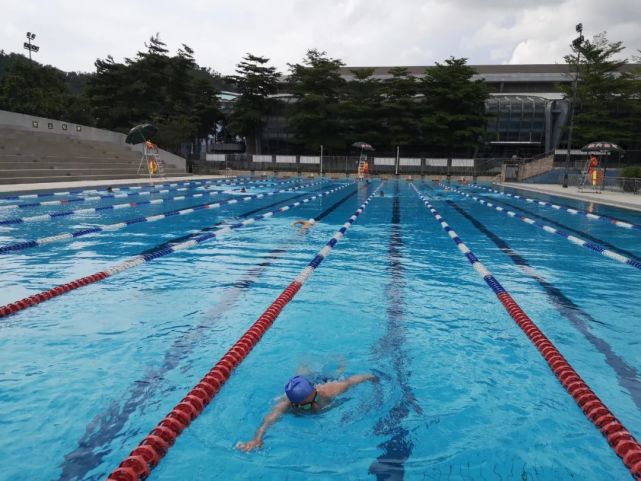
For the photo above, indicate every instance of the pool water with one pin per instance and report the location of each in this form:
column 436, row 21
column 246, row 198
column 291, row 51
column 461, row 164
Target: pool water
column 461, row 394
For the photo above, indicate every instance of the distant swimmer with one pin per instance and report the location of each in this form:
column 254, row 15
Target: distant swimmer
column 382, row 194
column 243, row 190
column 303, row 397
column 304, row 224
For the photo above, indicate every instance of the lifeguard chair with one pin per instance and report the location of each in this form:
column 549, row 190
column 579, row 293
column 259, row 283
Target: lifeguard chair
column 151, row 159
column 363, row 166
column 593, row 173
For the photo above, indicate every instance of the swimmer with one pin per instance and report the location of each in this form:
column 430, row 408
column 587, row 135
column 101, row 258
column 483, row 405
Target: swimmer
column 382, row 194
column 304, row 224
column 110, row 189
column 242, row 189
column 303, row 397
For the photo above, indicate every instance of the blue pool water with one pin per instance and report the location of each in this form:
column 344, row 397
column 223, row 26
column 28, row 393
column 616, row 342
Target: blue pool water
column 462, row 393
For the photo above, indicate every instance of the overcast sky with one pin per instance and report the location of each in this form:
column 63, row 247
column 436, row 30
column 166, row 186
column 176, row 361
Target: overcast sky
column 73, row 33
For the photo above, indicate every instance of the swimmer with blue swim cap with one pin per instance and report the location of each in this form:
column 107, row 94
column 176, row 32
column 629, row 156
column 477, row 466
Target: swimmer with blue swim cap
column 301, row 396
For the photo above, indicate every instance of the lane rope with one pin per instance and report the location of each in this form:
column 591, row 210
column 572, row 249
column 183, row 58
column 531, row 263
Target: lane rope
column 618, row 436
column 124, row 187
column 65, row 236
column 155, row 445
column 91, row 198
column 592, row 246
column 57, row 215
column 135, row 261
column 604, row 218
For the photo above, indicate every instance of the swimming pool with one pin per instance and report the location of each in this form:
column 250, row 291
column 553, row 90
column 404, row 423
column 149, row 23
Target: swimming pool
column 463, row 394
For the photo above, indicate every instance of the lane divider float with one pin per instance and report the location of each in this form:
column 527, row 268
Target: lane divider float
column 160, row 200
column 124, row 187
column 552, row 230
column 618, row 436
column 141, row 259
column 154, row 446
column 152, row 218
column 113, row 196
column 604, row 218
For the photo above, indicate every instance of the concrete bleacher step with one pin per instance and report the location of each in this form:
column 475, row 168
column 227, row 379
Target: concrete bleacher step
column 27, row 156
column 34, row 180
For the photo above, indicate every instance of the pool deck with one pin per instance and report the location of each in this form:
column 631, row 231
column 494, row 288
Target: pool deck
column 97, row 183
column 622, row 200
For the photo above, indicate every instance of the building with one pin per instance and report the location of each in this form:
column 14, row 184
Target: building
column 528, row 111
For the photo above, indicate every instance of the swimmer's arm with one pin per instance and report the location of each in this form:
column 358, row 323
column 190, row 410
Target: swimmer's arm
column 335, row 388
column 270, row 419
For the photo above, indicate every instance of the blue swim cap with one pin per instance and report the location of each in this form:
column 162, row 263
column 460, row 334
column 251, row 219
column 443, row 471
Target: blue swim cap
column 298, row 389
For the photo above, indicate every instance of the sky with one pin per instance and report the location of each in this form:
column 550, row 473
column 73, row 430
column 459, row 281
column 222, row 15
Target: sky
column 72, row 34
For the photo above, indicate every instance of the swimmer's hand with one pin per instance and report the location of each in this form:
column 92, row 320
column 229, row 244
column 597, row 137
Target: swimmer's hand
column 249, row 445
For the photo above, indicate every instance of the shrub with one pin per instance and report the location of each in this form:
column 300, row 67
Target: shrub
column 628, row 174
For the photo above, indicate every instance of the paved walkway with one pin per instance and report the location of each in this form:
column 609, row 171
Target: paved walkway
column 622, row 200
column 96, row 183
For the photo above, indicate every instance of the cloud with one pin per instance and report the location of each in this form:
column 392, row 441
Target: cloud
column 360, row 32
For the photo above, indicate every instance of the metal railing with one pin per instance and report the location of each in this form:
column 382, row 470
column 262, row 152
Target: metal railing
column 613, row 184
column 343, row 164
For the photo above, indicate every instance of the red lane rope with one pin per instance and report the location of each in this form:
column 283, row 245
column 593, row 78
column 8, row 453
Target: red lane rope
column 155, row 445
column 617, row 435
column 619, row 438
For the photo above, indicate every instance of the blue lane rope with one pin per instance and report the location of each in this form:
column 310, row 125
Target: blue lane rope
column 153, row 218
column 603, row 218
column 618, row 436
column 551, row 230
column 141, row 259
column 57, row 215
column 109, row 196
column 114, row 189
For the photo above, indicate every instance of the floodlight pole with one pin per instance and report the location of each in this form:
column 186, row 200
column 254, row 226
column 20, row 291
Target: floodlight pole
column 28, row 46
column 577, row 43
column 321, row 161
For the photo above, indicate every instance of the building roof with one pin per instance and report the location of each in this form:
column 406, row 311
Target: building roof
column 495, row 73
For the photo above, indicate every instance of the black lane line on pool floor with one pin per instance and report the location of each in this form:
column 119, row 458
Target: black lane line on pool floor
column 187, row 237
column 627, row 376
column 390, row 465
column 566, row 228
column 93, row 446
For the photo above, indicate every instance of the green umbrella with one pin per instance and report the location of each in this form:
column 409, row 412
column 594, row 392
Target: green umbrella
column 141, row 133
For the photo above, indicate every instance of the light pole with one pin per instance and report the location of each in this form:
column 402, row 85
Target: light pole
column 577, row 42
column 28, row 46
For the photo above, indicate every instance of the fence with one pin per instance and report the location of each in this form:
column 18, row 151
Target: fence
column 347, row 164
column 613, row 184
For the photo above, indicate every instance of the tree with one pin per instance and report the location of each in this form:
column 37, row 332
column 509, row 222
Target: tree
column 31, row 88
column 606, row 104
column 453, row 108
column 361, row 108
column 172, row 92
column 314, row 117
column 256, row 83
column 109, row 94
column 401, row 108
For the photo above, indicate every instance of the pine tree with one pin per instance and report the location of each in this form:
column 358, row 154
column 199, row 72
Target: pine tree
column 361, row 108
column 400, row 109
column 314, row 117
column 256, row 83
column 605, row 97
column 453, row 108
